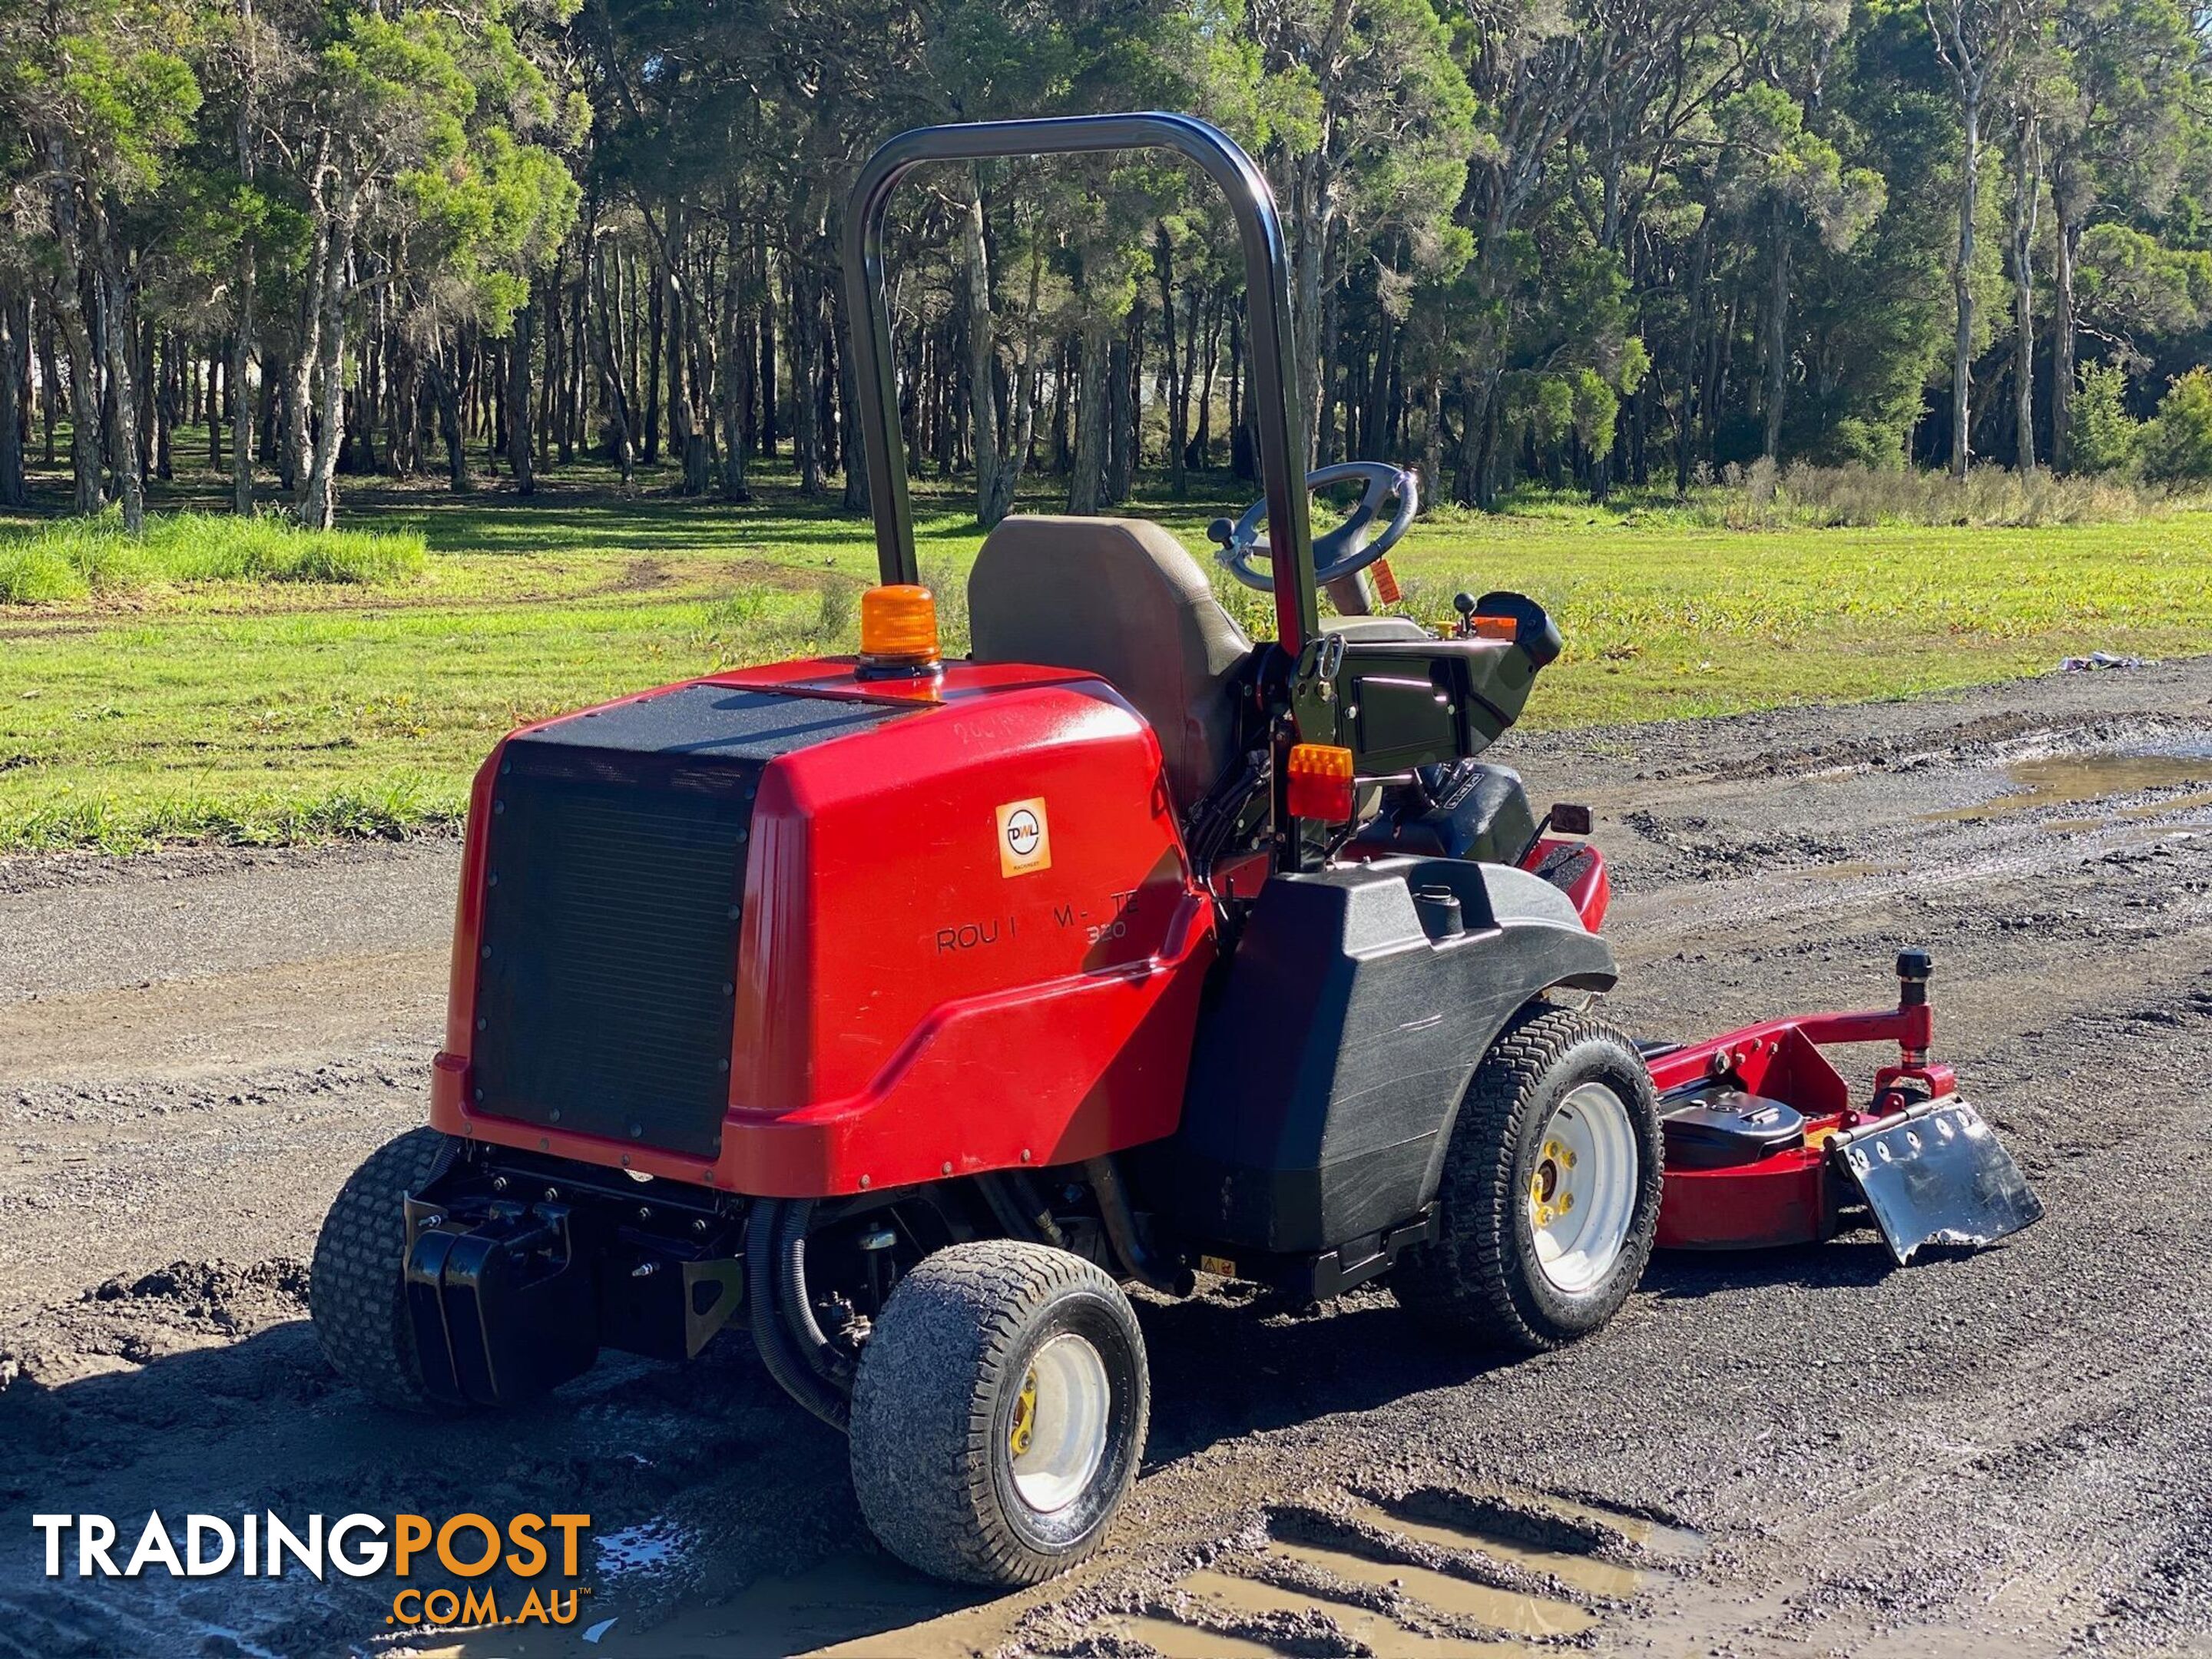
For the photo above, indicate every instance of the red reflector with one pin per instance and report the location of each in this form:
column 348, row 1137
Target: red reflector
column 1494, row 628
column 1319, row 775
column 1386, row 582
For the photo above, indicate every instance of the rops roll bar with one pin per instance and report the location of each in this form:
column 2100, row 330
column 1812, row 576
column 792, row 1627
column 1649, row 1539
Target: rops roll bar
column 1268, row 298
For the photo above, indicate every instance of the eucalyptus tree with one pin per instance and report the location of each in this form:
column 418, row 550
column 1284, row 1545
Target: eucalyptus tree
column 1973, row 40
column 1777, row 172
column 1374, row 121
column 2128, row 82
column 105, row 97
column 427, row 147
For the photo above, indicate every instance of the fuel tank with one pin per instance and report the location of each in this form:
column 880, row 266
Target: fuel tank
column 791, row 933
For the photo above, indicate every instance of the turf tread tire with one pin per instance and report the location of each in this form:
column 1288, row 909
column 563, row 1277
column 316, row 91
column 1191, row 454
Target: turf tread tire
column 357, row 1291
column 1474, row 1282
column 925, row 1422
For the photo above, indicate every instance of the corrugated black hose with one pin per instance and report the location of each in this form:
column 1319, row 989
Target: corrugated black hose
column 1121, row 1232
column 779, row 1352
column 797, row 1308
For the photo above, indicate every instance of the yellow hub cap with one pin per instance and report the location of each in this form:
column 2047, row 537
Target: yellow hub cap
column 1024, row 1429
column 1550, row 1197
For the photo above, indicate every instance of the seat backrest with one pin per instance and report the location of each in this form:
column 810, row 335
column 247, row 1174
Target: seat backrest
column 1120, row 598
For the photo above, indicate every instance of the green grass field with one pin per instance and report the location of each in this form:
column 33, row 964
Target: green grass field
column 208, row 698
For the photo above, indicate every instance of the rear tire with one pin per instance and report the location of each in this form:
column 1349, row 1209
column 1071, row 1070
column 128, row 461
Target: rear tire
column 1000, row 1413
column 356, row 1290
column 1561, row 1108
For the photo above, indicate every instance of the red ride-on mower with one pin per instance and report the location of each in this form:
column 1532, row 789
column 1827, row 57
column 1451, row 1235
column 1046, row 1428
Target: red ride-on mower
column 904, row 1010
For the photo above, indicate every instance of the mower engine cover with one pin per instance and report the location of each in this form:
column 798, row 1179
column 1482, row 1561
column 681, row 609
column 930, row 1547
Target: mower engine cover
column 780, row 932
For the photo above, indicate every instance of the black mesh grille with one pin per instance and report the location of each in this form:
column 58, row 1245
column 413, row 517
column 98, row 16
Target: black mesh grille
column 615, row 879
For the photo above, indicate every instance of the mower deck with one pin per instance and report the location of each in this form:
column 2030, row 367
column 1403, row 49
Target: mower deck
column 1921, row 1160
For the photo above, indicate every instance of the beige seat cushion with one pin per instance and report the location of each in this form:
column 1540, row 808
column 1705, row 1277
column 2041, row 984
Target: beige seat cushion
column 1120, row 598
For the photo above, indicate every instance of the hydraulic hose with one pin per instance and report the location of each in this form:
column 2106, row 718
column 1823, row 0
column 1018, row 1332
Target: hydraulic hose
column 1014, row 1200
column 1121, row 1232
column 791, row 1289
column 1032, row 1204
column 774, row 1342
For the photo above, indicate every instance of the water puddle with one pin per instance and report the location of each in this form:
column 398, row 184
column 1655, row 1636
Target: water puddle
column 2063, row 779
column 849, row 1607
column 1582, row 1572
column 1667, row 1543
column 2126, row 815
column 1505, row 1610
column 1374, row 1630
column 1185, row 1641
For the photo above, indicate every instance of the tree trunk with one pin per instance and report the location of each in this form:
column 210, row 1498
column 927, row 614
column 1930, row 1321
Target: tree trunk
column 2025, row 159
column 671, row 305
column 1375, row 416
column 1210, row 352
column 2064, row 247
column 168, row 385
column 1315, row 191
column 319, row 497
column 1242, row 465
column 1120, row 437
column 804, row 333
column 70, row 292
column 734, row 387
column 50, row 383
column 1177, row 373
column 519, row 455
column 1686, row 421
column 115, row 336
column 1777, row 333
column 990, row 505
column 655, row 323
column 84, row 407
column 572, row 399
column 1086, row 478
column 1433, row 452
column 1962, row 291
column 612, row 388
column 851, row 445
column 15, row 376
column 445, row 391
column 242, row 335
column 299, row 382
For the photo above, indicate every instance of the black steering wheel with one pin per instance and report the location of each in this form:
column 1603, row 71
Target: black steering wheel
column 1344, row 551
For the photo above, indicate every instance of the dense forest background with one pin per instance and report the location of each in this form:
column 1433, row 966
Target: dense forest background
column 1592, row 242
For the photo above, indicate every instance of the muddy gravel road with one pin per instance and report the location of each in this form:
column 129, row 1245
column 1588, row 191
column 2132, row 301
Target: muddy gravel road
column 1806, row 1452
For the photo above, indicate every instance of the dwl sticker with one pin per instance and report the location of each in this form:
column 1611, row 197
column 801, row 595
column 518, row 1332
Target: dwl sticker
column 1025, row 839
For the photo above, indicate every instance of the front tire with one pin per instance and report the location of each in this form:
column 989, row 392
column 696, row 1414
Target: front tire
column 1561, row 1113
column 1000, row 1413
column 357, row 1289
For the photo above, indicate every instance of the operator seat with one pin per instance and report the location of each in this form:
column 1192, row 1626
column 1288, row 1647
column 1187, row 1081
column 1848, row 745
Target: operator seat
column 1121, row 599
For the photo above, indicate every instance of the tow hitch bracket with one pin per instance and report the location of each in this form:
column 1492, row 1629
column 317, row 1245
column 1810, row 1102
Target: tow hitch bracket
column 501, row 1300
column 508, row 1299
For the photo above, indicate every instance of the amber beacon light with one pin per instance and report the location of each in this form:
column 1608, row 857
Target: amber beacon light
column 898, row 629
column 1321, row 781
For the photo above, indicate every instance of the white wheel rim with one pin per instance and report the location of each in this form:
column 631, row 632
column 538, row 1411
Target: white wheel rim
column 1058, row 1438
column 1580, row 1194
